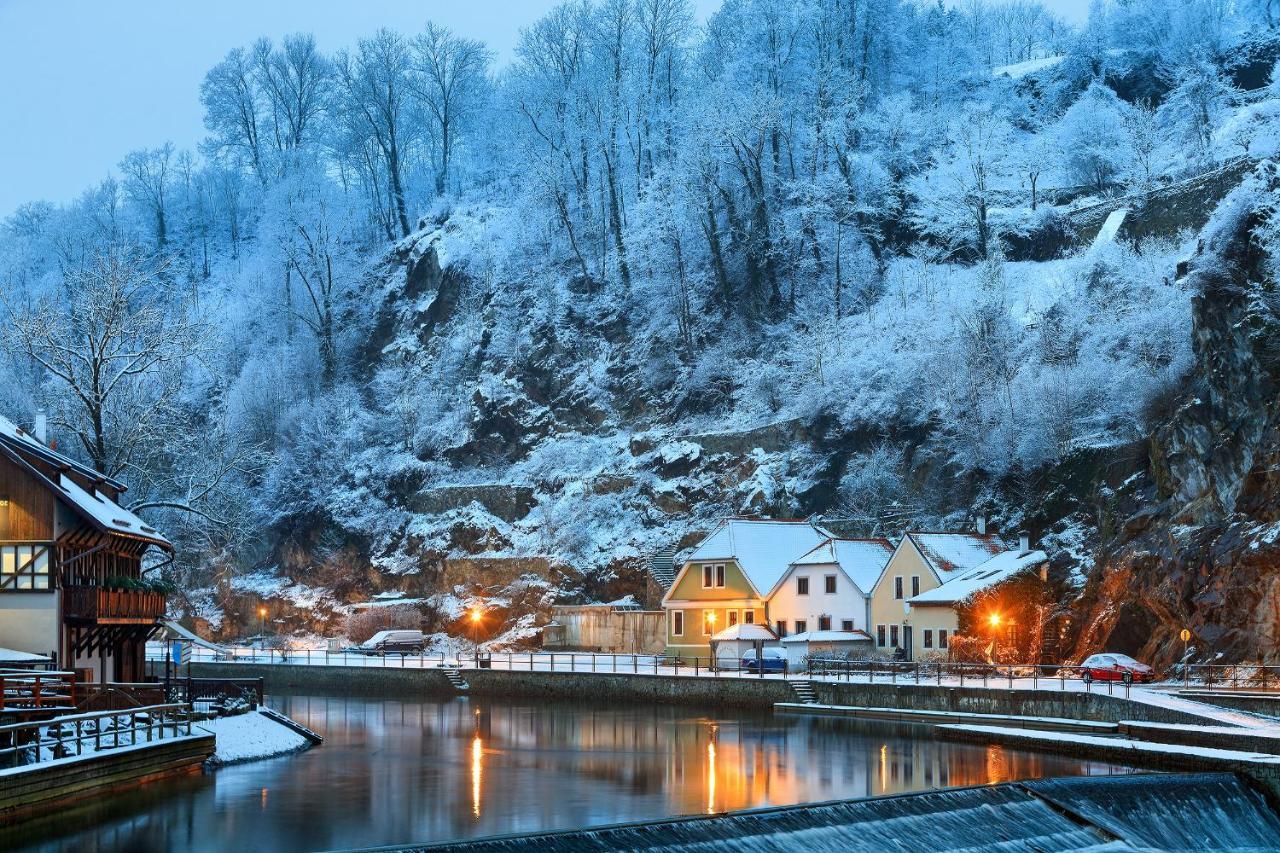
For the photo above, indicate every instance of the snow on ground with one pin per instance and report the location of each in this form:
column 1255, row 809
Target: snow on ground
column 251, row 736
column 1031, row 66
column 1138, row 747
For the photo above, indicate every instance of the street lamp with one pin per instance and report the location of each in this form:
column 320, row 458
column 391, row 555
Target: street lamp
column 477, row 615
column 262, row 624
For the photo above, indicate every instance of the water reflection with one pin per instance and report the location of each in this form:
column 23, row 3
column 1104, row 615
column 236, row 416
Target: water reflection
column 393, row 771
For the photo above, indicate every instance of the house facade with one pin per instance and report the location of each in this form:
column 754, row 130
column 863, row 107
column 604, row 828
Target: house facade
column 828, row 588
column 725, row 580
column 920, row 563
column 71, row 562
column 970, row 602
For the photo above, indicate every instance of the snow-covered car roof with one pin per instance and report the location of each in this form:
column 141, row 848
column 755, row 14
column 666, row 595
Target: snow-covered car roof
column 764, row 549
column 963, row 584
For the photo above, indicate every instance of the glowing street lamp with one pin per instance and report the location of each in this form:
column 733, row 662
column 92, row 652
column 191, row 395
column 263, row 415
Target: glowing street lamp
column 262, row 623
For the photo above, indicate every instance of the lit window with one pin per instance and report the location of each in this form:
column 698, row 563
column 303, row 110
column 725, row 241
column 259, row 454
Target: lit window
column 708, row 623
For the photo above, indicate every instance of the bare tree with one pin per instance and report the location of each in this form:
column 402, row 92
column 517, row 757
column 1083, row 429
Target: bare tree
column 376, row 100
column 232, row 109
column 449, row 78
column 293, row 80
column 146, row 180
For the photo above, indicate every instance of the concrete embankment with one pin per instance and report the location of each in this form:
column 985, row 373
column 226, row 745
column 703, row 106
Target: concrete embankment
column 1146, row 812
column 729, row 691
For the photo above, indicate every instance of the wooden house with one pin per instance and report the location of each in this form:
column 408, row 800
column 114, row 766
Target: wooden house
column 71, row 562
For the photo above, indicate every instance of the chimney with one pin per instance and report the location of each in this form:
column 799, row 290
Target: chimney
column 41, row 431
column 982, row 525
column 1024, row 543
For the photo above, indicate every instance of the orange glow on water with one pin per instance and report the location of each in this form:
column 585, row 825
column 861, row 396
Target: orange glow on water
column 477, row 770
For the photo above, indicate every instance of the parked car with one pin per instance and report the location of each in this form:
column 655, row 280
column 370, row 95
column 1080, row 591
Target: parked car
column 773, row 660
column 1112, row 667
column 392, row 643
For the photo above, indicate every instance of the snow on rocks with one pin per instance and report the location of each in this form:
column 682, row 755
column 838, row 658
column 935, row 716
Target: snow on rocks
column 251, row 736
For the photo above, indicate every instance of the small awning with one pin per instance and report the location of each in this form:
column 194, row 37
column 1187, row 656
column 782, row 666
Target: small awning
column 744, row 631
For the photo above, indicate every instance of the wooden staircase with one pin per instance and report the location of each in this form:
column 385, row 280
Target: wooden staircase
column 804, row 692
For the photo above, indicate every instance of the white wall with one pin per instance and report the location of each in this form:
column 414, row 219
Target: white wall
column 846, row 603
column 29, row 622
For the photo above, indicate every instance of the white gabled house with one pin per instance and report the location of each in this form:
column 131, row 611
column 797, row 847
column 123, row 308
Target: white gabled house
column 828, row 588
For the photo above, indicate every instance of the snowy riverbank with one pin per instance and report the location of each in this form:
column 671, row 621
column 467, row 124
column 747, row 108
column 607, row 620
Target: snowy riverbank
column 249, row 737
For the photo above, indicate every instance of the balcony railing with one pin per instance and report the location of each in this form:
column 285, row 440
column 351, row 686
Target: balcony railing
column 96, row 605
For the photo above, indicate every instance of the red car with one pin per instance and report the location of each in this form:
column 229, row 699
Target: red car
column 1112, row 667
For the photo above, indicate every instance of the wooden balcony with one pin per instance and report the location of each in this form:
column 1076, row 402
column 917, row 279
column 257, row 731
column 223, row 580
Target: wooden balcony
column 94, row 605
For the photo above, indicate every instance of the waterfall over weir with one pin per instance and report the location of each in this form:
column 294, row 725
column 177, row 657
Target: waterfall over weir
column 1188, row 812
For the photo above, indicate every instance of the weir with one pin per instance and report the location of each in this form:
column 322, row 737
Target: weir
column 1195, row 811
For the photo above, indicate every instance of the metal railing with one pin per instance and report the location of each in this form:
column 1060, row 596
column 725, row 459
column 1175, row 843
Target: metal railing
column 35, row 689
column 1240, row 676
column 29, row 743
column 1032, row 676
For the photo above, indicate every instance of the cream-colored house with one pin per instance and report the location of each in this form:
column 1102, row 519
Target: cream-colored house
column 724, row 581
column 829, row 588
column 935, row 613
column 922, row 562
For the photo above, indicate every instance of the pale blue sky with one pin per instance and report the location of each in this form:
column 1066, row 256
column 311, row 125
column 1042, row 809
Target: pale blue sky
column 82, row 82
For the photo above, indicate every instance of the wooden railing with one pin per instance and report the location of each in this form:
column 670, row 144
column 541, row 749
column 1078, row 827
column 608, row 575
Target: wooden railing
column 23, row 689
column 106, row 606
column 83, row 734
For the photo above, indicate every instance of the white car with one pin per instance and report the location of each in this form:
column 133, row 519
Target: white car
column 392, row 643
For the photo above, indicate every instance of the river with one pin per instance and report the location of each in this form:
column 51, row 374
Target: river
column 394, row 771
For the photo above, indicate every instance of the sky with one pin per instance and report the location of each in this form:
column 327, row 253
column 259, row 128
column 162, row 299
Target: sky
column 83, row 82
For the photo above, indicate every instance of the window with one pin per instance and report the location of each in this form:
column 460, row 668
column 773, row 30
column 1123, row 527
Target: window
column 830, row 584
column 733, row 618
column 708, row 623
column 801, row 626
column 782, row 628
column 677, row 623
column 915, row 585
column 846, row 624
column 4, row 516
column 880, row 636
column 706, row 576
column 802, row 586
column 824, row 623
column 720, row 575
column 942, row 638
column 24, row 567
column 928, row 638
column 893, row 636
column 897, row 587
column 749, row 616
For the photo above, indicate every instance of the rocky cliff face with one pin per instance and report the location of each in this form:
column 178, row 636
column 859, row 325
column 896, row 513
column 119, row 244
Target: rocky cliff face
column 1198, row 545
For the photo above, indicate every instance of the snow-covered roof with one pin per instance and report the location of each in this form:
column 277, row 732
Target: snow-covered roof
column 999, row 568
column 16, row 437
column 15, row 656
column 861, row 559
column 764, row 549
column 744, row 631
column 191, row 636
column 107, row 513
column 828, row 637
column 1022, row 69
column 953, row 552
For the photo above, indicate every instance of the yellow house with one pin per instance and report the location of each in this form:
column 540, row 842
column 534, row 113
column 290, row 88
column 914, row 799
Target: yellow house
column 922, row 562
column 725, row 579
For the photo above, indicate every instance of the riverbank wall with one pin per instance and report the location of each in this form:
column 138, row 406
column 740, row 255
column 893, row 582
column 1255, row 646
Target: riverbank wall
column 729, row 692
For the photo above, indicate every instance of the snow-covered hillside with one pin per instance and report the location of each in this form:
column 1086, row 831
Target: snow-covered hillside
column 459, row 333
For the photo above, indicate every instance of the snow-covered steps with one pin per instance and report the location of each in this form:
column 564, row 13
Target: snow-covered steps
column 291, row 724
column 455, row 678
column 804, row 692
column 900, row 715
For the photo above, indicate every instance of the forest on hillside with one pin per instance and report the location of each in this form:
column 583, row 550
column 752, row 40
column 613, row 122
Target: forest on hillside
column 403, row 268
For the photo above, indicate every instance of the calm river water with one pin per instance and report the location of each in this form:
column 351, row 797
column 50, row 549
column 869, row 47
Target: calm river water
column 394, row 771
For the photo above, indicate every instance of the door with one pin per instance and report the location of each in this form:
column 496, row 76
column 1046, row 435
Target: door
column 906, row 642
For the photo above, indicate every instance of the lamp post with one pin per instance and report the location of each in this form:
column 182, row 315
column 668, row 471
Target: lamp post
column 476, row 616
column 262, row 626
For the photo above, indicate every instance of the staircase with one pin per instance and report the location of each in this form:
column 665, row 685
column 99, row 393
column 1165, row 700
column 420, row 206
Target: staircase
column 804, row 692
column 663, row 568
column 456, row 679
